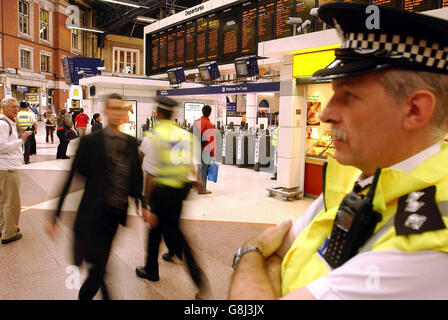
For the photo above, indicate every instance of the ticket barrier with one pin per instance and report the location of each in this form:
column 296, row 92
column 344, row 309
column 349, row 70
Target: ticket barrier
column 264, row 151
column 229, row 150
column 246, row 149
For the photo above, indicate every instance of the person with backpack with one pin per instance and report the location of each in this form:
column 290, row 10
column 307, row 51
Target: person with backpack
column 10, row 160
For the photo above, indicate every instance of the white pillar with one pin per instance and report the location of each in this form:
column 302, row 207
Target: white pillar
column 251, row 110
column 292, row 122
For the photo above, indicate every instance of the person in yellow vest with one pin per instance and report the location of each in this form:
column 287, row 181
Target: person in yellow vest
column 275, row 145
column 168, row 161
column 379, row 230
column 26, row 121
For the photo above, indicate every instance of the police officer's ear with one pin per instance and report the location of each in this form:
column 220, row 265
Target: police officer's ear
column 420, row 109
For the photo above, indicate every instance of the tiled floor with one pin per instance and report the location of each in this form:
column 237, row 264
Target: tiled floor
column 38, row 267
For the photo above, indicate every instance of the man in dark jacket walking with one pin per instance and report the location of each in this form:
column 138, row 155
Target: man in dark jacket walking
column 109, row 161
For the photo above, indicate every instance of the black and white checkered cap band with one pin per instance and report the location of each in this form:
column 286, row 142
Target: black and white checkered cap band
column 421, row 51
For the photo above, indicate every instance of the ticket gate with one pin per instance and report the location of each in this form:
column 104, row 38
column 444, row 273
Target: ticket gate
column 229, row 150
column 246, row 149
column 264, row 151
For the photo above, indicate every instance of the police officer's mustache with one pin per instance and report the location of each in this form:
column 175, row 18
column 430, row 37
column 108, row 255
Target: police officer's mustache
column 338, row 134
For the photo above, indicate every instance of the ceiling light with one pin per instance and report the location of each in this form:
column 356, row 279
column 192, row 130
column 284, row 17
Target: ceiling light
column 146, row 19
column 84, row 29
column 127, row 3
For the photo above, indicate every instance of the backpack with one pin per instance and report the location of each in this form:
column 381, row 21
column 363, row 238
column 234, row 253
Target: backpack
column 10, row 127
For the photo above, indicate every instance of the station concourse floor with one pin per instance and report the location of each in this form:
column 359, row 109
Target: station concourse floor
column 215, row 225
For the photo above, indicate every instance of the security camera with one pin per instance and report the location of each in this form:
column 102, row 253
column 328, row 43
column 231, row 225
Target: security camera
column 293, row 20
column 304, row 25
column 314, row 11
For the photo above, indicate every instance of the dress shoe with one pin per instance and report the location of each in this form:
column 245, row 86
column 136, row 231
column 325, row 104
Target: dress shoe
column 27, row 162
column 15, row 238
column 204, row 192
column 274, row 177
column 167, row 257
column 141, row 272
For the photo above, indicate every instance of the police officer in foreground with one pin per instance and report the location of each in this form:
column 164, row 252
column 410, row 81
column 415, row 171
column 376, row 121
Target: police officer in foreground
column 26, row 121
column 168, row 162
column 379, row 230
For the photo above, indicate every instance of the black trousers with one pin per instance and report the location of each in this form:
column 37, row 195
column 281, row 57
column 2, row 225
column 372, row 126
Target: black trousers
column 63, row 145
column 166, row 203
column 96, row 250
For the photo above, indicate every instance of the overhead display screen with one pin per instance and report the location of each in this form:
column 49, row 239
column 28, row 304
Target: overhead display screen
column 162, row 49
column 180, row 45
column 230, row 34
column 284, row 9
column 154, row 52
column 388, row 3
column 213, row 37
column 303, row 8
column 248, row 25
column 418, row 5
column 266, row 15
column 226, row 34
column 190, row 43
column 171, row 48
column 201, row 40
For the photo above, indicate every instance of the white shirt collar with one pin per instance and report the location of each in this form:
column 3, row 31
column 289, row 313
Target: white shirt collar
column 410, row 163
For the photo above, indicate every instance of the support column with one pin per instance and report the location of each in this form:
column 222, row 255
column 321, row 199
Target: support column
column 292, row 126
column 251, row 110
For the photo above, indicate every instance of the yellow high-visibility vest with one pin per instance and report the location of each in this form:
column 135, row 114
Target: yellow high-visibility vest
column 175, row 154
column 25, row 119
column 303, row 264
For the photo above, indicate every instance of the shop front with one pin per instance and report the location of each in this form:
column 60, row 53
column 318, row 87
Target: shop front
column 318, row 143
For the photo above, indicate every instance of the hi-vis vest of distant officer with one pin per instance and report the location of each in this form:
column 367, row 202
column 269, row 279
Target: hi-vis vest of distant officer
column 275, row 137
column 414, row 210
column 25, row 120
column 175, row 152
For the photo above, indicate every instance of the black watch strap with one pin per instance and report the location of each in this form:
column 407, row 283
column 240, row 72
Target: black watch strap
column 241, row 251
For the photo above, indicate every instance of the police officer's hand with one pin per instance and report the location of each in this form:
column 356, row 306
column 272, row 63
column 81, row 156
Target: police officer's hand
column 271, row 239
column 24, row 136
column 150, row 218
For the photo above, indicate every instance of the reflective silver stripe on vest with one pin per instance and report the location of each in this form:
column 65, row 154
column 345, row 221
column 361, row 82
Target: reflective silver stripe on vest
column 443, row 208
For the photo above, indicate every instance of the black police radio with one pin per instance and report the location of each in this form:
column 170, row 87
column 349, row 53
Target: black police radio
column 354, row 224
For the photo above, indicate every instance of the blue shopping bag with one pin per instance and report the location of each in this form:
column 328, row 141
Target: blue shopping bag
column 212, row 174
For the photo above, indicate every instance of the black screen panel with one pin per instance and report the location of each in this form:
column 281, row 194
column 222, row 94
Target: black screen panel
column 230, row 28
column 171, row 48
column 418, row 5
column 249, row 28
column 162, row 49
column 154, row 52
column 266, row 15
column 190, row 43
column 283, row 10
column 213, row 37
column 180, row 45
column 201, row 40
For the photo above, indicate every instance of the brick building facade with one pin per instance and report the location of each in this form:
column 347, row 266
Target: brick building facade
column 33, row 40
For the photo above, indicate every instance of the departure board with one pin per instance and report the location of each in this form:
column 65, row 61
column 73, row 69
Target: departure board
column 388, row 3
column 418, row 5
column 171, row 48
column 180, row 45
column 201, row 40
column 190, row 34
column 230, row 34
column 357, row 1
column 162, row 49
column 283, row 10
column 213, row 37
column 248, row 25
column 266, row 15
column 303, row 8
column 444, row 3
column 154, row 52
